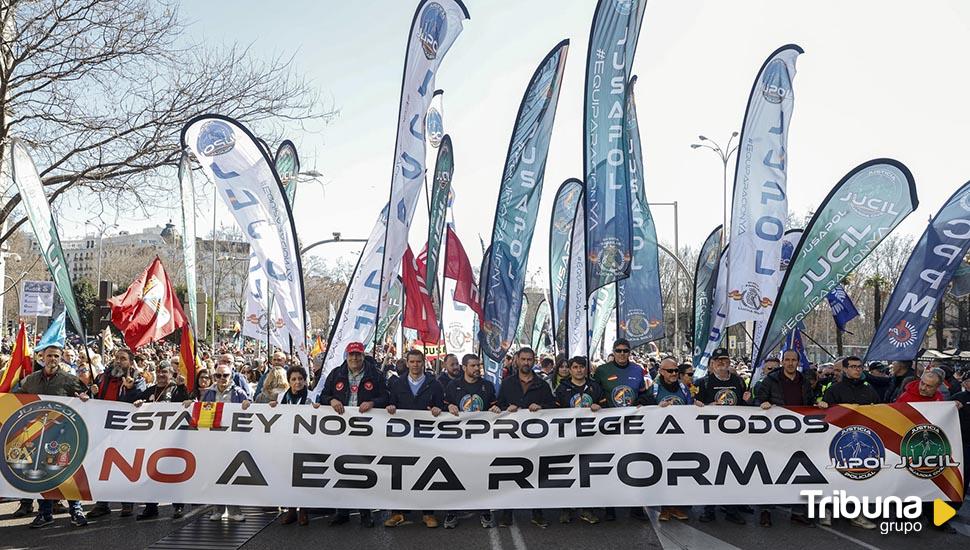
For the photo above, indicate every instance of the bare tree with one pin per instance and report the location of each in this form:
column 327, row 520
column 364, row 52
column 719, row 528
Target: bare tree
column 101, row 88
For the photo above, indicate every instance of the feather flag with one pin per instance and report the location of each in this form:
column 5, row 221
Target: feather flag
column 55, row 335
column 189, row 362
column 20, row 364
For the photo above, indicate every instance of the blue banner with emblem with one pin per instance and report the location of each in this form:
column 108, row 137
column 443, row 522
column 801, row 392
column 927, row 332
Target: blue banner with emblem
column 864, row 207
column 843, row 310
column 923, row 282
column 705, row 281
column 503, row 282
column 793, row 342
column 560, row 241
column 639, row 302
column 609, row 225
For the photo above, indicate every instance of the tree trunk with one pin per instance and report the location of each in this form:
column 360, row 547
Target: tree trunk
column 838, row 340
column 876, row 305
column 940, row 313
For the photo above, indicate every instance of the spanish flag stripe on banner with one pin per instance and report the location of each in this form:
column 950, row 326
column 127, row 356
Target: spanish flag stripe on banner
column 891, row 424
column 207, row 415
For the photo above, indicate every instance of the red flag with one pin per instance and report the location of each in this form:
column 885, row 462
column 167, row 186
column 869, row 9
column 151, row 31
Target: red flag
column 418, row 310
column 20, row 364
column 458, row 268
column 149, row 310
column 188, row 360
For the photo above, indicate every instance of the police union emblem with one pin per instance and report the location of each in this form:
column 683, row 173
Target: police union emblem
column 434, row 24
column 44, row 444
column 857, row 453
column 580, row 400
column 925, row 452
column 622, row 396
column 216, row 138
column 471, row 403
column 776, row 82
column 903, row 334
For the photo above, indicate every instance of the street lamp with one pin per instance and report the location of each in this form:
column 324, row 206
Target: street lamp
column 724, row 156
column 101, row 230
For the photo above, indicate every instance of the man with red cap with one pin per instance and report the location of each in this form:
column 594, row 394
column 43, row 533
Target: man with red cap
column 355, row 383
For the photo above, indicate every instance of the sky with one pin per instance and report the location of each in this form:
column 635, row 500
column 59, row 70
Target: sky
column 877, row 79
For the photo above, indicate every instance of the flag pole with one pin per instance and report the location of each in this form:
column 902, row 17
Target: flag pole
column 821, row 347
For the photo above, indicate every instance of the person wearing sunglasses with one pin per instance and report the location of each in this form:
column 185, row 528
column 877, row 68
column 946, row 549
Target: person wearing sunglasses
column 623, row 385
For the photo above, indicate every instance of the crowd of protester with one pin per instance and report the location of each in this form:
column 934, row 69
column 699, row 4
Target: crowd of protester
column 454, row 385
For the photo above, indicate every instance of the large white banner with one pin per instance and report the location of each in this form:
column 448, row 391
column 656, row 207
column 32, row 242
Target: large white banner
column 298, row 455
column 436, row 25
column 759, row 211
column 355, row 322
column 245, row 178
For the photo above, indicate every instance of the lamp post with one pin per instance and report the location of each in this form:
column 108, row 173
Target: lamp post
column 725, row 157
column 676, row 271
column 101, row 231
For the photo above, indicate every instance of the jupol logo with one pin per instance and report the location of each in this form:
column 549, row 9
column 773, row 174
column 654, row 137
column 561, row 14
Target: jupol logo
column 434, row 24
column 434, row 126
column 215, row 138
column 622, row 396
column 471, row 403
column 903, row 334
column 776, row 82
column 857, row 453
column 925, row 452
column 44, row 444
column 581, row 399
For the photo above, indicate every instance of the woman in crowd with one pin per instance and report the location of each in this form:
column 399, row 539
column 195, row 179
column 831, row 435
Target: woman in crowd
column 296, row 393
column 203, row 379
column 273, row 386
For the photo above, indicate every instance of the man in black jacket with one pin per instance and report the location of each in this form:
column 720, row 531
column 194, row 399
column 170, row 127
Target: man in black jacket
column 787, row 387
column 355, row 383
column 418, row 391
column 525, row 390
column 167, row 389
column 720, row 387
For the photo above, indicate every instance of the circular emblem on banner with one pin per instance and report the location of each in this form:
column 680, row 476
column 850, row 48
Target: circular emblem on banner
column 610, row 259
column 456, row 337
column 776, row 82
column 622, row 396
column 580, row 400
column 44, row 445
column 216, row 138
column 637, row 326
column 434, row 127
column 471, row 403
column 903, row 334
column 339, row 386
column 925, row 451
column 857, row 452
column 434, row 24
column 725, row 396
column 493, row 336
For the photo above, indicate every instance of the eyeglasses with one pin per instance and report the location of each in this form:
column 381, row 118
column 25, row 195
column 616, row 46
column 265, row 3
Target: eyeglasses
column 220, row 376
column 689, row 373
column 621, row 351
column 669, row 370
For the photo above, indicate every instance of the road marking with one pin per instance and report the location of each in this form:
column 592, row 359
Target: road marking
column 494, row 538
column 677, row 535
column 848, row 538
column 517, row 539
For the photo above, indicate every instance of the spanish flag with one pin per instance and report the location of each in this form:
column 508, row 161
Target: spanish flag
column 207, row 415
column 318, row 347
column 188, row 359
column 20, row 364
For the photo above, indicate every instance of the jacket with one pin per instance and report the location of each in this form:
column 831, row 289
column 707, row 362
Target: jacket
column 852, row 391
column 104, row 381
column 429, row 395
column 173, row 393
column 236, row 395
column 337, row 386
column 770, row 390
column 569, row 395
column 479, row 396
column 537, row 392
column 62, row 383
column 911, row 394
